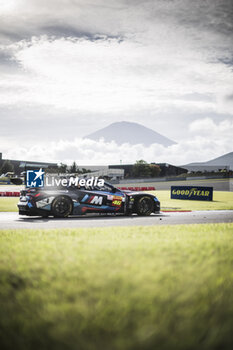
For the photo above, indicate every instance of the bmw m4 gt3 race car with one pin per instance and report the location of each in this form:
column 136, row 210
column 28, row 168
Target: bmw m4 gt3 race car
column 78, row 201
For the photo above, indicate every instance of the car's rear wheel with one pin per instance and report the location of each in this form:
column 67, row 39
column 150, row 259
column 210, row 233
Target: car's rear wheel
column 61, row 207
column 144, row 206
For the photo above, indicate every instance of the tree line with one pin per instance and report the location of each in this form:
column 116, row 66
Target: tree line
column 140, row 169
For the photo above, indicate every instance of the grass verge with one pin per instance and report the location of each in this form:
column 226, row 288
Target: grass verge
column 117, row 288
column 221, row 201
column 8, row 203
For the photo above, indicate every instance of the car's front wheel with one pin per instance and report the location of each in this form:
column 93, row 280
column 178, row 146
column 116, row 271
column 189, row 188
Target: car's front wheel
column 144, row 206
column 61, row 207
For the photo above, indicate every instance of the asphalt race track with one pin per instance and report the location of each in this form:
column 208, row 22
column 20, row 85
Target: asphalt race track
column 12, row 220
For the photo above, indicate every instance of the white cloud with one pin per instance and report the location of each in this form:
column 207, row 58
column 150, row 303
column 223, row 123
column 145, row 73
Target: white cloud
column 109, row 76
column 162, row 52
column 89, row 152
column 155, row 62
column 215, row 132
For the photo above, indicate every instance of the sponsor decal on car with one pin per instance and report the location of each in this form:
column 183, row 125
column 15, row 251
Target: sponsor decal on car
column 98, row 200
column 92, row 199
column 116, row 201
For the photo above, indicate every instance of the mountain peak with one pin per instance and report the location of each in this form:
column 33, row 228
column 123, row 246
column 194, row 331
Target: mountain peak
column 224, row 160
column 130, row 132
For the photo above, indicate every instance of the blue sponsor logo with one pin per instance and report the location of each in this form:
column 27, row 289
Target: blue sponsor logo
column 193, row 193
column 35, row 178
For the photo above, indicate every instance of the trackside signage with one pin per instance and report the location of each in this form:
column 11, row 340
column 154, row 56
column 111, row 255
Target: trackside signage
column 192, row 193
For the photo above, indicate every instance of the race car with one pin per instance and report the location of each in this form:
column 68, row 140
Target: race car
column 72, row 200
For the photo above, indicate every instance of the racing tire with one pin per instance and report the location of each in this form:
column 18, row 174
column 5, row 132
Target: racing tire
column 144, row 206
column 61, row 207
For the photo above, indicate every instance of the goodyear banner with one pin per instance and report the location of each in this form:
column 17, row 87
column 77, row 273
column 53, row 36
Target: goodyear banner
column 193, row 193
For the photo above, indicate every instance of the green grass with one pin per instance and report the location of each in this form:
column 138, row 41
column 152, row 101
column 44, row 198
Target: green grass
column 221, row 200
column 8, row 203
column 4, row 180
column 134, row 288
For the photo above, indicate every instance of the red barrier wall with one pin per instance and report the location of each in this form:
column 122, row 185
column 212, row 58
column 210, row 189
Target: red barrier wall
column 17, row 194
column 9, row 194
column 137, row 188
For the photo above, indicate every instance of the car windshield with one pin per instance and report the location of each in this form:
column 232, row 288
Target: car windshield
column 106, row 188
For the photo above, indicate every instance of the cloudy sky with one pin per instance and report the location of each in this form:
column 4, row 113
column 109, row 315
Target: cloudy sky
column 70, row 67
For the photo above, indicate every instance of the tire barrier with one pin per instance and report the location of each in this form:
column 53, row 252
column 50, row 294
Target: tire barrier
column 9, row 194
